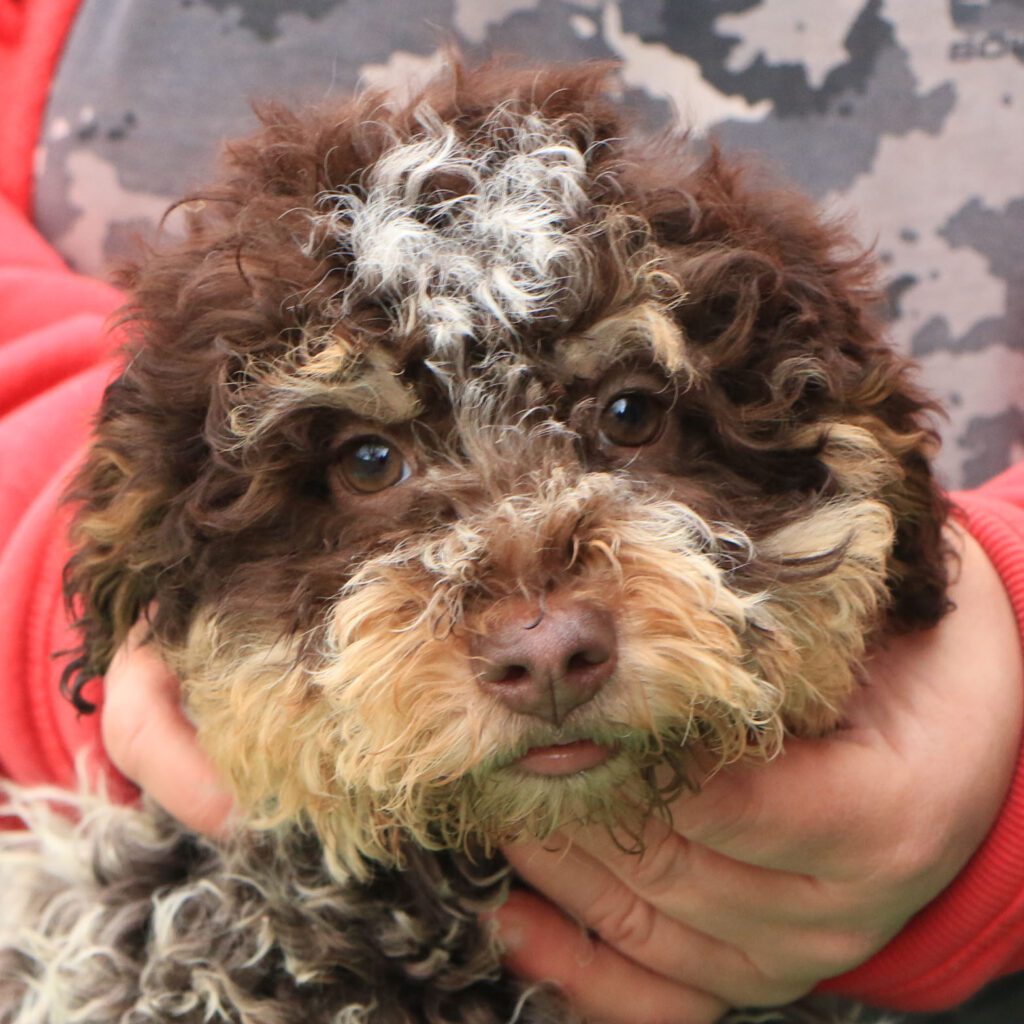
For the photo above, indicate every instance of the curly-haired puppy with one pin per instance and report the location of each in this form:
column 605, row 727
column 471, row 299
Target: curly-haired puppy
column 488, row 467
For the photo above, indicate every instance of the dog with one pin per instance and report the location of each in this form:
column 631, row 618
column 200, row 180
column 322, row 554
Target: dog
column 481, row 467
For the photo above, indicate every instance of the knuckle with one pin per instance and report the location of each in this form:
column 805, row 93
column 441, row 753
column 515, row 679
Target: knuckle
column 658, row 867
column 113, row 727
column 121, row 732
column 720, row 813
column 627, row 922
column 912, row 857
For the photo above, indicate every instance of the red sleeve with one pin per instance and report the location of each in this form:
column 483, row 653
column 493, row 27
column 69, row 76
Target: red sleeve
column 32, row 34
column 56, row 356
column 974, row 931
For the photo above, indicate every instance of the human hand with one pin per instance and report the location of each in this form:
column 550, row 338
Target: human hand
column 778, row 876
column 149, row 739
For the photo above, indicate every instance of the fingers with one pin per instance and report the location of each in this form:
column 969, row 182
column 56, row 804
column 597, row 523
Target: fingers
column 728, row 899
column 604, row 985
column 149, row 739
column 703, row 949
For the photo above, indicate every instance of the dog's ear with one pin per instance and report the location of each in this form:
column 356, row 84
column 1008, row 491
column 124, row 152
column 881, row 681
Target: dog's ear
column 163, row 483
column 158, row 487
column 782, row 312
column 119, row 504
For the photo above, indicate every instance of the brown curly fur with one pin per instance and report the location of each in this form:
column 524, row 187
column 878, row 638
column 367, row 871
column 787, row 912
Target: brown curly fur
column 345, row 278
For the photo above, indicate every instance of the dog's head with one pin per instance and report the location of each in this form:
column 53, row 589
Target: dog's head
column 483, row 461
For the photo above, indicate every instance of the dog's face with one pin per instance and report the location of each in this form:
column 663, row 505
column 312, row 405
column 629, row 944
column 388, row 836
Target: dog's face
column 484, row 467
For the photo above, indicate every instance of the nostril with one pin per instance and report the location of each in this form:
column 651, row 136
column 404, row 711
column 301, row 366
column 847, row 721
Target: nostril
column 513, row 674
column 501, row 672
column 587, row 658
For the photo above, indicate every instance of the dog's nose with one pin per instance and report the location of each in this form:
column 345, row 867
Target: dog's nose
column 545, row 662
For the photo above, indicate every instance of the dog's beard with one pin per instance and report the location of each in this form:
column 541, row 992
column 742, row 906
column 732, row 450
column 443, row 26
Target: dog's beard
column 375, row 730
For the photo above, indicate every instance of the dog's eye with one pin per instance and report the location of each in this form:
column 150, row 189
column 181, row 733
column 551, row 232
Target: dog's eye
column 371, row 464
column 632, row 419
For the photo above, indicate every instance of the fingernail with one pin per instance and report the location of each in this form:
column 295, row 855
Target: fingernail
column 509, row 928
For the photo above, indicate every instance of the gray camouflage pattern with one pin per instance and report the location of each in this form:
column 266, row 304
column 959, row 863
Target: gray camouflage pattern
column 906, row 114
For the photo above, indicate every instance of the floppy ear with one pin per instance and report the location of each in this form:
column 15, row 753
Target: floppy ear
column 141, row 501
column 160, row 491
column 782, row 314
column 111, row 577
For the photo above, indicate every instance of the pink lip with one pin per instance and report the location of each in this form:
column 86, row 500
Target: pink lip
column 564, row 758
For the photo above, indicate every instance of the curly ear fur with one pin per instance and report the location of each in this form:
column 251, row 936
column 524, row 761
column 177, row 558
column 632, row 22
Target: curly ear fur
column 775, row 313
column 782, row 310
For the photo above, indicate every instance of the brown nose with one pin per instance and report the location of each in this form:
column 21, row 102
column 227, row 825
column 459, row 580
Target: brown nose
column 545, row 663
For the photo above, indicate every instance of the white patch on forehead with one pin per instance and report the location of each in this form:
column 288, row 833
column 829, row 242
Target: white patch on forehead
column 461, row 265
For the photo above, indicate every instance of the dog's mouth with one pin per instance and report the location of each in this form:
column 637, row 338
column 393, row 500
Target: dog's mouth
column 565, row 758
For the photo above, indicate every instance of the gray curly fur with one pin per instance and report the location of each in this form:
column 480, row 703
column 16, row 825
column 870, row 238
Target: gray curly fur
column 118, row 914
column 126, row 916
